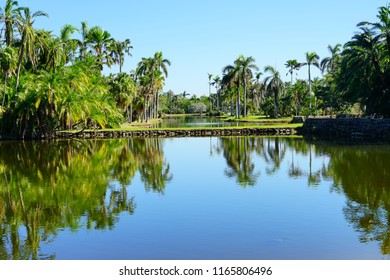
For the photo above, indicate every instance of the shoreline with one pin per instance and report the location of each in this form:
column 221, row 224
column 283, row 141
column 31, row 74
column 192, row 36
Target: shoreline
column 177, row 132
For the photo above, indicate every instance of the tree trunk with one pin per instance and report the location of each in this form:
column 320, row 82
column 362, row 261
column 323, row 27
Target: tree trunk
column 231, row 105
column 244, row 80
column 238, row 109
column 309, row 86
column 19, row 66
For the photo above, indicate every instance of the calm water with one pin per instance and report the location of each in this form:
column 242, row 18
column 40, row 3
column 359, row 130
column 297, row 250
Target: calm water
column 196, row 121
column 194, row 198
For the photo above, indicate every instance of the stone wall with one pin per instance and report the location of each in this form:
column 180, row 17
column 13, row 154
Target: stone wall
column 178, row 133
column 347, row 128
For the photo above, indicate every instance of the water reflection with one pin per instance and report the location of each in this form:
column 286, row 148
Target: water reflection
column 362, row 174
column 47, row 187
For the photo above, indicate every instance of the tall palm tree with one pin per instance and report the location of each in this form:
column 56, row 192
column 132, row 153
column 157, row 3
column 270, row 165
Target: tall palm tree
column 231, row 84
column 100, row 40
column 217, row 84
column 83, row 42
column 10, row 17
column 151, row 71
column 27, row 44
column 210, row 77
column 329, row 63
column 275, row 85
column 70, row 45
column 312, row 58
column 118, row 51
column 245, row 66
column 292, row 65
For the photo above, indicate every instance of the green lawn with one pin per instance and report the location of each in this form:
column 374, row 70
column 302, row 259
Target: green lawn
column 261, row 119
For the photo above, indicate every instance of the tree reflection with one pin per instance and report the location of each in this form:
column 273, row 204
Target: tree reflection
column 48, row 186
column 362, row 174
column 237, row 152
column 273, row 154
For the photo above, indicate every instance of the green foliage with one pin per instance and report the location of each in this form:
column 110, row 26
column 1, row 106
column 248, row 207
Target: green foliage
column 55, row 82
column 364, row 74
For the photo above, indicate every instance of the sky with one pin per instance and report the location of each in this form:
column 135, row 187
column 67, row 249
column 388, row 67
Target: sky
column 203, row 36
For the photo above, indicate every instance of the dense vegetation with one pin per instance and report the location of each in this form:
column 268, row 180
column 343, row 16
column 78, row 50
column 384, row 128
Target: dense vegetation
column 56, row 82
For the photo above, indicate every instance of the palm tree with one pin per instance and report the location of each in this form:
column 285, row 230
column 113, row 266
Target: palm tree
column 83, row 42
column 70, row 45
column 123, row 89
column 27, row 44
column 311, row 59
column 245, row 66
column 8, row 63
column 10, row 17
column 329, row 63
column 361, row 75
column 118, row 51
column 184, row 94
column 210, row 77
column 292, row 65
column 52, row 51
column 151, row 72
column 100, row 40
column 275, row 85
column 231, row 85
column 217, row 83
column 383, row 26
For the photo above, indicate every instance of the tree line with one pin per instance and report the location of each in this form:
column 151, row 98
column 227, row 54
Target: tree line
column 55, row 82
column 357, row 73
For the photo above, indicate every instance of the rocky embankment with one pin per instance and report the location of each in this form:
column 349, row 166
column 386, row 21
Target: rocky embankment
column 366, row 129
column 178, row 133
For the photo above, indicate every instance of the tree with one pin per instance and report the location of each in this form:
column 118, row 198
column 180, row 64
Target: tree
column 100, row 40
column 210, row 77
column 231, row 85
column 27, row 44
column 275, row 85
column 329, row 64
column 8, row 63
column 361, row 76
column 83, row 45
column 311, row 59
column 123, row 90
column 70, row 45
column 10, row 18
column 150, row 73
column 118, row 51
column 245, row 66
column 292, row 65
column 217, row 83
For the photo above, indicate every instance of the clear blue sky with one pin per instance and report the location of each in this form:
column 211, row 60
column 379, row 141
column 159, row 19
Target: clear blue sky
column 203, row 36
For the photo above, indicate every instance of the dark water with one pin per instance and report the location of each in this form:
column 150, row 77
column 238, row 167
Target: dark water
column 194, row 198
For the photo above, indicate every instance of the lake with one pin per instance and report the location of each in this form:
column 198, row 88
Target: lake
column 194, row 198
column 206, row 121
